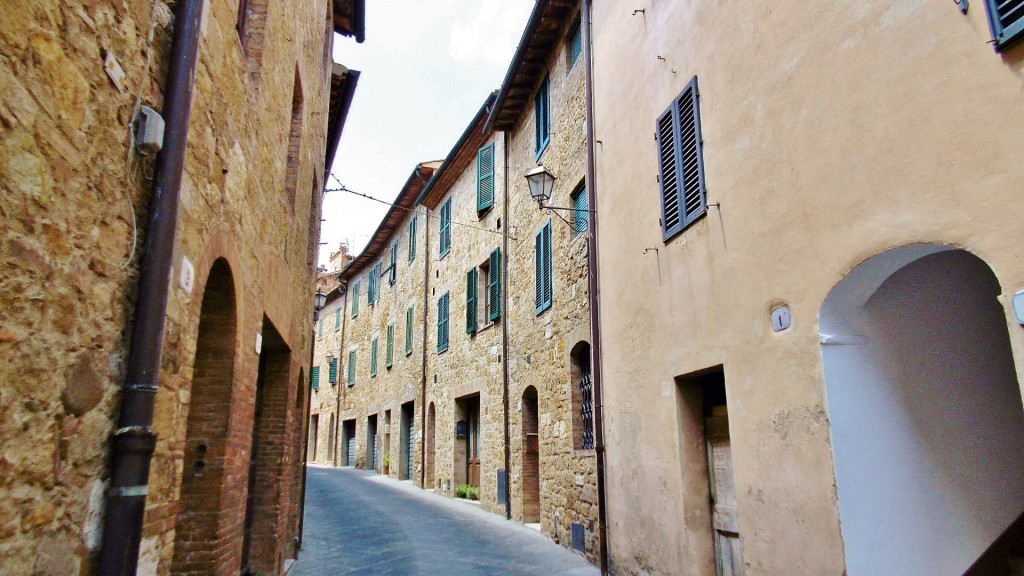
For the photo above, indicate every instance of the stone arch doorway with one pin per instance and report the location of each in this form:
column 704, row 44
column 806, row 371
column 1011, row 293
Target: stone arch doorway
column 925, row 411
column 531, row 457
column 428, row 448
column 198, row 544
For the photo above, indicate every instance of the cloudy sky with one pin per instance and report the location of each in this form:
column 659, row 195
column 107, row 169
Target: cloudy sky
column 425, row 69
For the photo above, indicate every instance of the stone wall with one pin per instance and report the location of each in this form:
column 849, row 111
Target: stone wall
column 70, row 258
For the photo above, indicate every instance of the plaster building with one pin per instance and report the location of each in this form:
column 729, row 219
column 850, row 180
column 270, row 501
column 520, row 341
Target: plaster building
column 810, row 274
column 156, row 307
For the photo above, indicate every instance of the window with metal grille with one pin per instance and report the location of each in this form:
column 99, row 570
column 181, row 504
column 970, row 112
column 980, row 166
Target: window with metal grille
column 1006, row 17
column 681, row 161
column 485, row 178
column 442, row 321
column 408, row 330
column 542, row 264
column 587, row 410
column 575, row 45
column 542, row 114
column 581, row 210
column 445, row 231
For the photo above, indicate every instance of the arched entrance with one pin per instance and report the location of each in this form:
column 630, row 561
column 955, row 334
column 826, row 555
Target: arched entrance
column 198, row 547
column 531, row 457
column 925, row 410
column 428, row 448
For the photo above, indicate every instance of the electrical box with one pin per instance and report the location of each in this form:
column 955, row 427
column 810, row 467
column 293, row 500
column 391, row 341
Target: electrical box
column 149, row 131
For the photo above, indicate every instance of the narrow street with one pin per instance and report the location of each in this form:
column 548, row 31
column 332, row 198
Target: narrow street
column 358, row 522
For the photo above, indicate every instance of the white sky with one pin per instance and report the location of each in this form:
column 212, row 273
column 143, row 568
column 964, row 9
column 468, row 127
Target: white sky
column 425, row 69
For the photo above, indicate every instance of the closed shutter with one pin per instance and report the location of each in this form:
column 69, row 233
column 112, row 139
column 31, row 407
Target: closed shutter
column 485, row 178
column 408, row 330
column 393, row 271
column 1006, row 17
column 373, row 359
column 581, row 214
column 575, row 45
column 542, row 276
column 471, row 280
column 355, row 299
column 316, row 378
column 445, row 235
column 389, row 357
column 337, row 318
column 412, row 239
column 370, row 284
column 320, row 330
column 352, row 368
column 442, row 322
column 681, row 162
column 542, row 112
column 494, row 286
column 332, row 374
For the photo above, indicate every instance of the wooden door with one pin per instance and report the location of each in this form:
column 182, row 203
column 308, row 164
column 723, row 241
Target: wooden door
column 723, row 494
column 473, row 447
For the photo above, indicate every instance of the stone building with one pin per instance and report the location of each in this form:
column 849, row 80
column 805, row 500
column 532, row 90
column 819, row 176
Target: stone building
column 156, row 314
column 368, row 364
column 810, row 272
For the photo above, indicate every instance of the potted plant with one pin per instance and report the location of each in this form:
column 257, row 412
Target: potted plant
column 386, row 464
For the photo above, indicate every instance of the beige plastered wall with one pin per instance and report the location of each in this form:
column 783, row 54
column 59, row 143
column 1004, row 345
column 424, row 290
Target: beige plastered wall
column 829, row 136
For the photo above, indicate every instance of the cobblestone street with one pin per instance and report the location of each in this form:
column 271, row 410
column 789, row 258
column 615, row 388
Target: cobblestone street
column 358, row 522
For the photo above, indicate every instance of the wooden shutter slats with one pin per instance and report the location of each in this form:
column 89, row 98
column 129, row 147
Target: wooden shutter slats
column 494, row 286
column 683, row 194
column 408, row 330
column 471, row 300
column 485, row 178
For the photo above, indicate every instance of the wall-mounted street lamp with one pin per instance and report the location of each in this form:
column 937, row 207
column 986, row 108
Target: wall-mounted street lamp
column 541, row 183
column 320, row 300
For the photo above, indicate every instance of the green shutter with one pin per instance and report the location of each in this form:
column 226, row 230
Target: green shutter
column 373, row 359
column 442, row 322
column 485, row 177
column 542, row 276
column 389, row 357
column 575, row 45
column 542, row 117
column 445, row 233
column 471, row 280
column 494, row 286
column 355, row 299
column 337, row 318
column 352, row 368
column 412, row 239
column 320, row 330
column 393, row 271
column 332, row 374
column 408, row 330
column 581, row 216
column 316, row 378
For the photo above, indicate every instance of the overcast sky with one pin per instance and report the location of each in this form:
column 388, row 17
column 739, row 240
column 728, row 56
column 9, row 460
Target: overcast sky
column 425, row 69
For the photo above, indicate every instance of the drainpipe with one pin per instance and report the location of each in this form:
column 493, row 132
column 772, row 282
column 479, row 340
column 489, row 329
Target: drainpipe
column 595, row 291
column 133, row 442
column 305, row 436
column 504, row 333
column 423, row 341
column 337, row 403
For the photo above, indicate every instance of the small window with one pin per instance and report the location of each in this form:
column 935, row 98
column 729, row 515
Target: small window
column 412, row 239
column 355, row 299
column 581, row 210
column 542, row 268
column 471, row 300
column 408, row 330
column 442, row 321
column 373, row 358
column 351, row 368
column 485, row 178
column 332, row 371
column 337, row 318
column 389, row 355
column 681, row 160
column 575, row 45
column 393, row 265
column 1006, row 18
column 542, row 113
column 445, row 232
column 315, row 378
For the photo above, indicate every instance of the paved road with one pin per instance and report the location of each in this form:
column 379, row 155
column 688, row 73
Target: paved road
column 360, row 523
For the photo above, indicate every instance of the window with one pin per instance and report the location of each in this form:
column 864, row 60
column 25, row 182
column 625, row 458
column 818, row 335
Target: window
column 683, row 195
column 412, row 239
column 355, row 299
column 351, row 368
column 320, row 329
column 575, row 45
column 542, row 262
column 471, row 280
column 494, row 285
column 370, row 282
column 373, row 358
column 542, row 113
column 485, row 178
column 445, row 233
column 408, row 330
column 581, row 210
column 1006, row 18
column 393, row 267
column 332, row 371
column 442, row 321
column 389, row 355
column 337, row 318
column 315, row 378
column 582, row 397
column 373, row 289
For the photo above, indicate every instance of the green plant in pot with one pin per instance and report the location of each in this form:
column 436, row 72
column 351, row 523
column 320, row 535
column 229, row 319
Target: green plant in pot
column 386, row 462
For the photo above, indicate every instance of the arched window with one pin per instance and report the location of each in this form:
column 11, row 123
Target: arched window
column 582, row 397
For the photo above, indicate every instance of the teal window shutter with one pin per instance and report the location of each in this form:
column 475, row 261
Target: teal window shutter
column 332, row 371
column 1006, row 19
column 412, row 239
column 389, row 356
column 373, row 359
column 445, row 234
column 369, row 287
column 471, row 280
column 316, row 378
column 575, row 45
column 393, row 270
column 408, row 330
column 442, row 322
column 355, row 299
column 581, row 213
column 337, row 318
column 542, row 276
column 320, row 329
column 494, row 286
column 485, row 178
column 352, row 368
column 542, row 117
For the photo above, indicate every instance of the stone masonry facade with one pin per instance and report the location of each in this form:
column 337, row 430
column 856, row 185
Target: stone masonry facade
column 74, row 224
